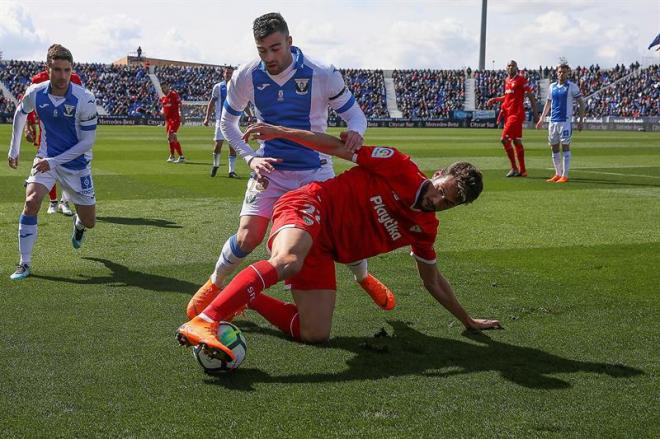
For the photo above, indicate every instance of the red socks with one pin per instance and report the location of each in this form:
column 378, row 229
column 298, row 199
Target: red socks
column 53, row 193
column 175, row 146
column 520, row 154
column 509, row 153
column 280, row 314
column 242, row 290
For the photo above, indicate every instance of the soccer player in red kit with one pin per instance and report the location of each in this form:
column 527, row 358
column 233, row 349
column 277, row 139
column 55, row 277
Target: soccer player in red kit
column 33, row 135
column 171, row 111
column 382, row 204
column 513, row 107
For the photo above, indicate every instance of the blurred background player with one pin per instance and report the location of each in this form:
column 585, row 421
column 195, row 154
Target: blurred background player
column 171, row 112
column 561, row 97
column 33, row 129
column 218, row 97
column 513, row 107
column 67, row 114
column 383, row 203
column 290, row 89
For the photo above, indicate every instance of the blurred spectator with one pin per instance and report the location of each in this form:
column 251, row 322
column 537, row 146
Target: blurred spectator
column 429, row 94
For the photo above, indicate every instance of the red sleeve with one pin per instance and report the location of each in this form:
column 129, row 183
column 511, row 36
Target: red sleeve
column 75, row 78
column 40, row 77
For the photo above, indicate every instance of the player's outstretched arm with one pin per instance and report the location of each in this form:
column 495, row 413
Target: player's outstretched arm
column 317, row 141
column 491, row 101
column 440, row 289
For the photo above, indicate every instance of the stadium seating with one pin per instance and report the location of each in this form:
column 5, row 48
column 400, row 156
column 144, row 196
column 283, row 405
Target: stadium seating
column 429, row 94
column 192, row 83
column 421, row 94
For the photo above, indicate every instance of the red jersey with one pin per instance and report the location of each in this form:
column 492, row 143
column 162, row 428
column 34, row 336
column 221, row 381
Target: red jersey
column 514, row 94
column 171, row 103
column 44, row 76
column 368, row 210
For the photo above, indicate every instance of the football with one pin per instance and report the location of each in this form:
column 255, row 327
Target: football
column 230, row 336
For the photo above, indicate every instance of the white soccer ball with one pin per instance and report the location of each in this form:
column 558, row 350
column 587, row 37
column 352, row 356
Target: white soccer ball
column 230, row 336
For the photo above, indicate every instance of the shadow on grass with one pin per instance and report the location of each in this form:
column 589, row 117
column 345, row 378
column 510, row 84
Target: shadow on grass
column 123, row 276
column 410, row 352
column 127, row 221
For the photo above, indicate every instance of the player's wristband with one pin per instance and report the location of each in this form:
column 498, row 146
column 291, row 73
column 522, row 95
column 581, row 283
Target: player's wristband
column 248, row 159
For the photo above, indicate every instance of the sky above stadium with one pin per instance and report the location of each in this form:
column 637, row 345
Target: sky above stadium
column 362, row 34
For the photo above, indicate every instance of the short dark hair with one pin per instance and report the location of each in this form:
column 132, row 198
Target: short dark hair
column 468, row 178
column 563, row 65
column 269, row 24
column 57, row 51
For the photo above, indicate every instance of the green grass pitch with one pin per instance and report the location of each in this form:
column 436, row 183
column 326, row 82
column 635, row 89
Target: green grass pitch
column 87, row 343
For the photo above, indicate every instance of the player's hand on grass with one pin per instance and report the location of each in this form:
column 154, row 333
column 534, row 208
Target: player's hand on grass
column 206, row 122
column 263, row 165
column 352, row 140
column 481, row 324
column 13, row 163
column 42, row 165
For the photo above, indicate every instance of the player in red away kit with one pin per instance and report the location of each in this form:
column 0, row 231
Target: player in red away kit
column 513, row 110
column 33, row 135
column 171, row 111
column 382, row 204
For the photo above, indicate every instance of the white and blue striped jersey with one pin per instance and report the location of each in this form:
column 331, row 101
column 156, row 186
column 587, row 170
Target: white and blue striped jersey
column 62, row 119
column 219, row 94
column 296, row 98
column 562, row 97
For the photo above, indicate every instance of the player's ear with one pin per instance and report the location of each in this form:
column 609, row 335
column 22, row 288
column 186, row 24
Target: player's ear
column 289, row 40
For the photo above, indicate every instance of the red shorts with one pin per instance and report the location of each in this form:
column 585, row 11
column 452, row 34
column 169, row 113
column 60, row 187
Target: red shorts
column 302, row 209
column 513, row 127
column 172, row 125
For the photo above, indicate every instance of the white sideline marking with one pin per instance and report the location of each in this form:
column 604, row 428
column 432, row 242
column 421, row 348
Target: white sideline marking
column 615, row 173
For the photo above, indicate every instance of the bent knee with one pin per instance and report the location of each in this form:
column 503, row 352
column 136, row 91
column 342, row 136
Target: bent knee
column 248, row 240
column 287, row 264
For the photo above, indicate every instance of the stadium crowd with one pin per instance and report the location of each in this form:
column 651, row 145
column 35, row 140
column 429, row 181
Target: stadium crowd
column 422, row 94
column 429, row 94
column 192, row 83
column 121, row 90
column 636, row 96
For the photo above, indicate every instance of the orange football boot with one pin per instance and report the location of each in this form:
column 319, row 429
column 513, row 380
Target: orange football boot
column 553, row 179
column 379, row 293
column 202, row 298
column 562, row 180
column 205, row 334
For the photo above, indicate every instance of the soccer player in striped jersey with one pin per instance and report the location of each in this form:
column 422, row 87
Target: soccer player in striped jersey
column 286, row 88
column 383, row 203
column 67, row 116
column 218, row 97
column 34, row 130
column 562, row 95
